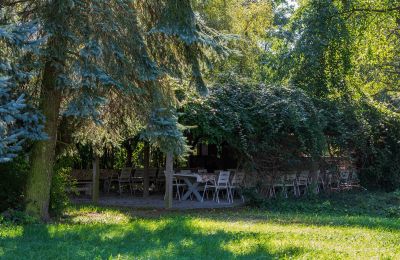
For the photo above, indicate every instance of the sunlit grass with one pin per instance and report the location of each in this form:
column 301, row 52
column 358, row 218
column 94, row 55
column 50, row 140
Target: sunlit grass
column 102, row 233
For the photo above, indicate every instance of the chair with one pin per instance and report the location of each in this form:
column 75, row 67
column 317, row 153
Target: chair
column 291, row 182
column 236, row 184
column 221, row 184
column 177, row 184
column 302, row 182
column 138, row 180
column 125, row 178
column 344, row 180
column 278, row 181
column 112, row 179
column 332, row 180
column 321, row 181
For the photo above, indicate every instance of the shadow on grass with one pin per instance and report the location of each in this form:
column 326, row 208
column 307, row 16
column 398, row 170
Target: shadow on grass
column 173, row 238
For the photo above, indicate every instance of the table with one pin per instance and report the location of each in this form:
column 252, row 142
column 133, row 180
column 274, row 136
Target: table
column 192, row 180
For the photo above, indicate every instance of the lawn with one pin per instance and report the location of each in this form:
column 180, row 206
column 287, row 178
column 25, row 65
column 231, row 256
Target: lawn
column 325, row 228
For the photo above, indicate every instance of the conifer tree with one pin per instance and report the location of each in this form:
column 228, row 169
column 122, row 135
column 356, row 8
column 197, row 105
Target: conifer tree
column 93, row 49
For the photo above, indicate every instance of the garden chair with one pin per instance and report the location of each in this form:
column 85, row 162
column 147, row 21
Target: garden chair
column 112, row 179
column 344, row 180
column 303, row 180
column 332, row 180
column 279, row 182
column 180, row 186
column 236, row 184
column 125, row 179
column 138, row 180
column 221, row 184
column 291, row 183
column 320, row 181
column 268, row 188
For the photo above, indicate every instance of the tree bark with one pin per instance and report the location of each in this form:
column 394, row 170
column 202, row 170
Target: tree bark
column 146, row 169
column 96, row 179
column 129, row 151
column 43, row 152
column 168, row 180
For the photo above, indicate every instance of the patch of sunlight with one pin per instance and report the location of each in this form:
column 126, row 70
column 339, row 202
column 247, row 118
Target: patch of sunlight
column 11, row 232
column 187, row 243
column 351, row 241
column 243, row 246
column 154, row 225
column 103, row 217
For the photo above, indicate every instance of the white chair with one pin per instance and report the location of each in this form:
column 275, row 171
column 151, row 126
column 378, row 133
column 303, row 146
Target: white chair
column 179, row 186
column 278, row 181
column 221, row 184
column 138, row 180
column 302, row 181
column 125, row 178
column 236, row 184
column 291, row 182
column 344, row 179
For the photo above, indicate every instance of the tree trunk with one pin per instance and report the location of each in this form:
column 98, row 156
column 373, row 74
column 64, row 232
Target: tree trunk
column 96, row 179
column 146, row 169
column 43, row 152
column 168, row 180
column 129, row 151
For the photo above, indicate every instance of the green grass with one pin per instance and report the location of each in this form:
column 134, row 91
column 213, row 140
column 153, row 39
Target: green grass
column 318, row 228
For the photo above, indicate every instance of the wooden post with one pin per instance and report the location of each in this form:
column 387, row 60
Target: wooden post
column 96, row 179
column 314, row 176
column 146, row 169
column 169, row 164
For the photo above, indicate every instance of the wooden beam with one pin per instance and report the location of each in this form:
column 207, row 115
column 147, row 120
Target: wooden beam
column 96, row 179
column 169, row 165
column 146, row 169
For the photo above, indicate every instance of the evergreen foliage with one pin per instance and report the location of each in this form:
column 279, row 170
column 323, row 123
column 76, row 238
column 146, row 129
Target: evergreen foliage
column 18, row 121
column 164, row 132
column 17, row 125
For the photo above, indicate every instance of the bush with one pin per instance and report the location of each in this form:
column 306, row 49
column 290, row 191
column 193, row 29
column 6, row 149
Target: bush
column 12, row 185
column 17, row 217
column 59, row 199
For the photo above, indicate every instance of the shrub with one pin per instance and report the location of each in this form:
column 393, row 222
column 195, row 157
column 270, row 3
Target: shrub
column 17, row 217
column 59, row 199
column 12, row 185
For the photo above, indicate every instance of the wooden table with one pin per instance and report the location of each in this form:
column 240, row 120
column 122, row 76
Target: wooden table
column 192, row 180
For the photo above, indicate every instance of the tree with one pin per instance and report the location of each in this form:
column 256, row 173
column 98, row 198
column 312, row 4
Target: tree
column 95, row 50
column 164, row 132
column 87, row 47
column 18, row 121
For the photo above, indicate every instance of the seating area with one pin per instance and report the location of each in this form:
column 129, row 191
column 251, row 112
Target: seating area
column 198, row 183
column 188, row 184
column 299, row 183
column 219, row 185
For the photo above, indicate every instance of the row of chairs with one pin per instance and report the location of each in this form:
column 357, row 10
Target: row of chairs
column 133, row 179
column 299, row 183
